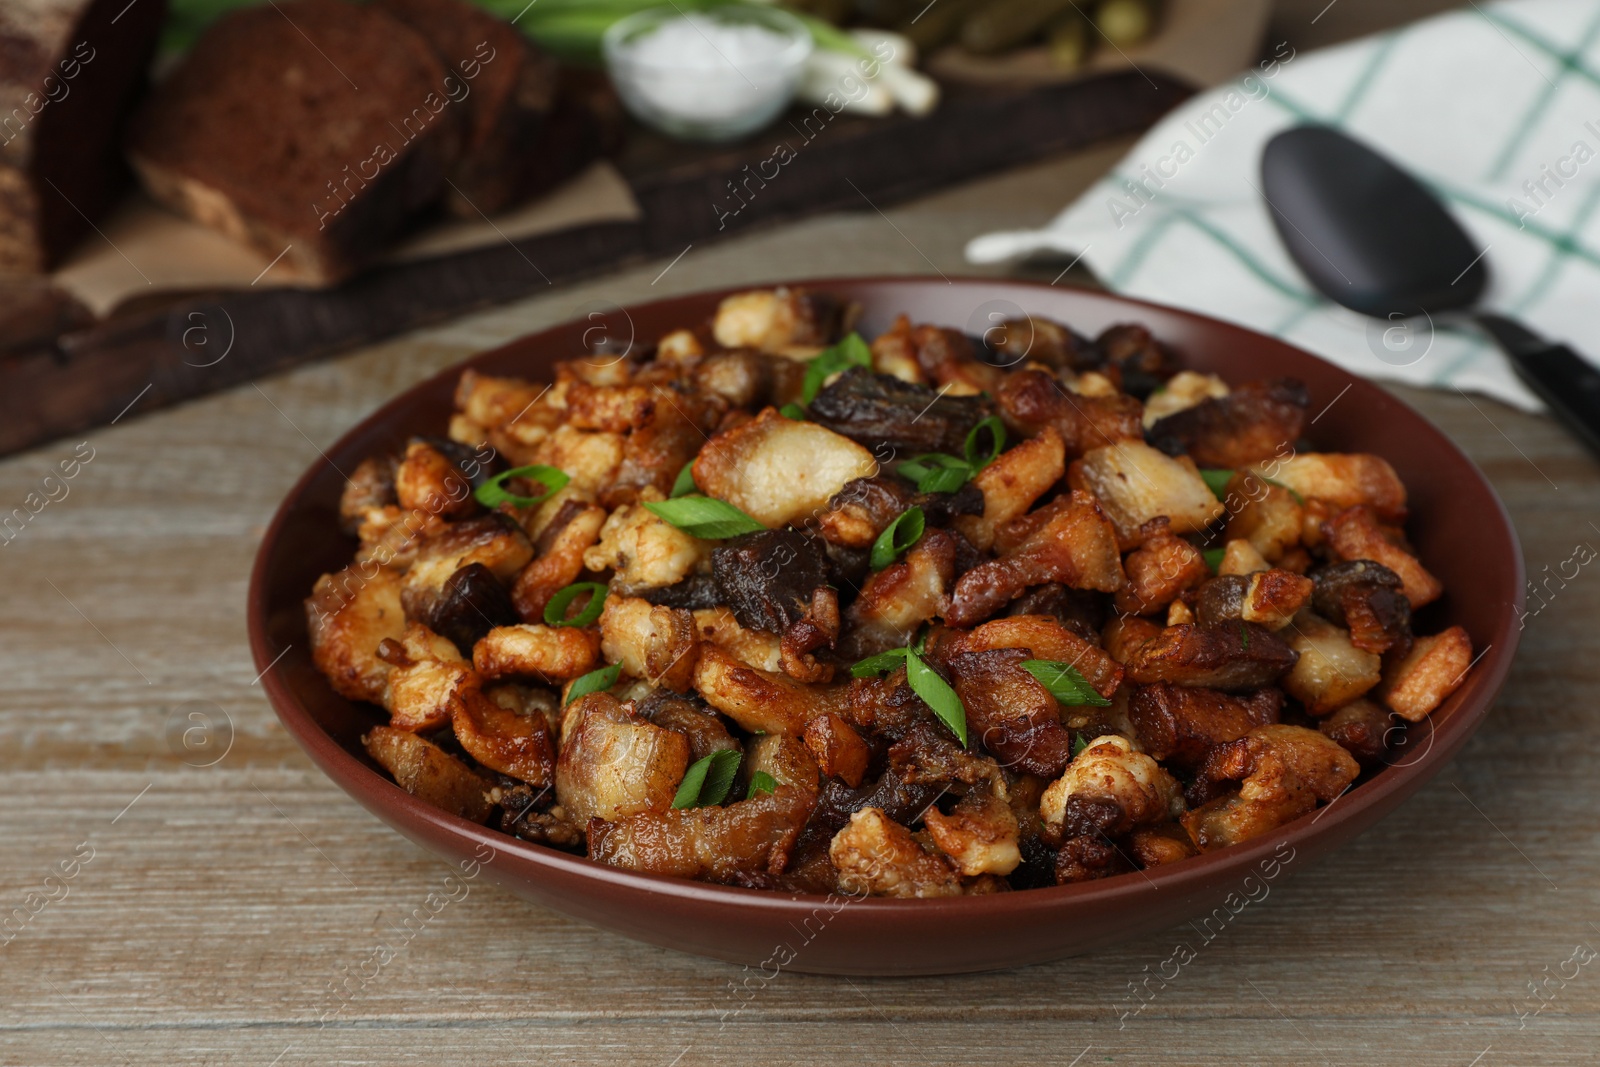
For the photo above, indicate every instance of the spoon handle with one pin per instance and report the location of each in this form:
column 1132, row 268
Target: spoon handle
column 1564, row 380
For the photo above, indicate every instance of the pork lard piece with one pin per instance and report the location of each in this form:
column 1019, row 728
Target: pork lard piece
column 1254, row 422
column 1069, row 540
column 1237, row 657
column 1181, row 724
column 1286, row 771
column 613, row 763
column 777, row 471
column 714, row 844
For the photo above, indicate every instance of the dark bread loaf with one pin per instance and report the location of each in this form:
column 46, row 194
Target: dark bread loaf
column 312, row 125
column 506, row 89
column 70, row 71
column 587, row 123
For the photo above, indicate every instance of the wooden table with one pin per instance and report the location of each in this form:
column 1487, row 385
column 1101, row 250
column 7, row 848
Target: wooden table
column 203, row 903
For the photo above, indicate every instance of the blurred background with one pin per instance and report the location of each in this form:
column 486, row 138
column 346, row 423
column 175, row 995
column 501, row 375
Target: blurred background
column 228, row 233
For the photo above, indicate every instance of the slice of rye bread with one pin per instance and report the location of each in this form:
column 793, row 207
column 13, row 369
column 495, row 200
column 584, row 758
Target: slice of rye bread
column 506, row 88
column 70, row 72
column 315, row 126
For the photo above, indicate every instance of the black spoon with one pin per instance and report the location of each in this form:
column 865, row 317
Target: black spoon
column 1369, row 236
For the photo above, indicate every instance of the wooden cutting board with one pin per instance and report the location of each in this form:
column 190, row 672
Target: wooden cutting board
column 153, row 353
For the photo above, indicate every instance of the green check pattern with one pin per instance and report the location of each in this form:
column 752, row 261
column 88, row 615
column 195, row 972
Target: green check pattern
column 1495, row 106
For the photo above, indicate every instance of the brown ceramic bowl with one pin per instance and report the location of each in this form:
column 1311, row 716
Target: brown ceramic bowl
column 1457, row 523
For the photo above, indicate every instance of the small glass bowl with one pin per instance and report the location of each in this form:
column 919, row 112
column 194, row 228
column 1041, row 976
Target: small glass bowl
column 717, row 98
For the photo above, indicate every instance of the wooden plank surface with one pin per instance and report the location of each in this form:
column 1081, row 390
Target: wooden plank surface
column 229, row 911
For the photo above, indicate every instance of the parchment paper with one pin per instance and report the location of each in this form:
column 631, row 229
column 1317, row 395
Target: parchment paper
column 143, row 248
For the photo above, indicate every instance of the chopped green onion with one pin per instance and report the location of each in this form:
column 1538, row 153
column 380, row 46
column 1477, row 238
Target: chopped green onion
column 793, row 412
column 937, row 694
column 898, row 536
column 978, row 456
column 555, row 612
column 705, row 517
column 684, row 485
column 707, row 781
column 761, row 782
column 1217, row 481
column 594, row 682
column 493, row 492
column 1214, row 558
column 882, row 663
column 1244, row 634
column 1078, row 745
column 850, row 352
column 1064, row 682
column 936, row 472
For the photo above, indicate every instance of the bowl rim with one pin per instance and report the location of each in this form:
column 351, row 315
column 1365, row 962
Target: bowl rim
column 1474, row 698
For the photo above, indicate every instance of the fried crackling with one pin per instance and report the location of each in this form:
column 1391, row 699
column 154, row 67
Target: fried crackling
column 642, row 549
column 753, row 648
column 1331, row 670
column 979, row 835
column 1340, row 480
column 428, row 480
column 1366, row 598
column 1269, row 598
column 349, row 614
column 1356, row 534
column 563, row 545
column 1241, row 557
column 1044, row 638
column 1266, row 516
column 785, row 758
column 1010, row 712
column 1285, row 770
column 837, row 748
column 1363, row 729
column 429, row 773
column 1254, row 422
column 779, row 320
column 1183, row 391
column 1069, row 540
column 767, row 701
column 897, row 600
column 613, row 763
column 427, row 673
column 658, row 644
column 491, row 540
column 1032, row 400
column 1182, row 724
column 714, row 844
column 777, row 470
column 1237, row 657
column 1161, row 568
column 876, row 856
column 1433, row 669
column 818, row 628
column 533, row 650
column 1156, row 846
column 1111, row 775
column 1012, row 483
column 504, row 740
column 369, row 488
column 1135, row 483
column 1125, row 635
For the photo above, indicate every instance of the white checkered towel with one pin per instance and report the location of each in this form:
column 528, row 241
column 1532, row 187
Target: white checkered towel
column 1496, row 107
